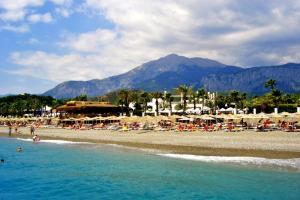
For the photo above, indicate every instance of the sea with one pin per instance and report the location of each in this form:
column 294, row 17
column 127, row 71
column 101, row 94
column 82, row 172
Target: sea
column 56, row 169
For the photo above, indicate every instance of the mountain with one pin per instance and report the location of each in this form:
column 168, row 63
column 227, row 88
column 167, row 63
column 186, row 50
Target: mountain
column 171, row 71
column 5, row 95
column 252, row 80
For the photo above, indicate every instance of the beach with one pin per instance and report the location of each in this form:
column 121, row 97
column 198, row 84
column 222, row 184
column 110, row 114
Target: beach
column 275, row 144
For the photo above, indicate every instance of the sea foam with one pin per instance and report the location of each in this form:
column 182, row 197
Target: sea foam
column 257, row 161
column 54, row 141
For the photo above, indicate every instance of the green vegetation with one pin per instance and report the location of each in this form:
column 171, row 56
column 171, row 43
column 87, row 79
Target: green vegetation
column 184, row 90
column 18, row 105
column 156, row 96
column 169, row 99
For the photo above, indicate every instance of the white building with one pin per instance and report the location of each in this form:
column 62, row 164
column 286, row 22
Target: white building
column 164, row 108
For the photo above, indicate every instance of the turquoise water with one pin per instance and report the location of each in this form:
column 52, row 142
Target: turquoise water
column 69, row 171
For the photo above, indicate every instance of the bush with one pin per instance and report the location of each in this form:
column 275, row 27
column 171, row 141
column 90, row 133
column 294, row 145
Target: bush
column 178, row 107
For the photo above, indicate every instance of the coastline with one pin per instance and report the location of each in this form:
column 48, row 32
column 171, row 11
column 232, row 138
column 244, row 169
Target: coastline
column 274, row 145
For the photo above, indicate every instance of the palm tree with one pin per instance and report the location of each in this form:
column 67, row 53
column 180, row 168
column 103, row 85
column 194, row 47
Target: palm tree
column 243, row 98
column 234, row 97
column 136, row 98
column 276, row 97
column 145, row 98
column 125, row 97
column 121, row 103
column 194, row 98
column 184, row 90
column 203, row 95
column 271, row 83
column 156, row 96
column 169, row 99
column 36, row 105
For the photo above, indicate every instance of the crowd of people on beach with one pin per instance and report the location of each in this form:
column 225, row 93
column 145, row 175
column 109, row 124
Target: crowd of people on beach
column 168, row 125
column 178, row 125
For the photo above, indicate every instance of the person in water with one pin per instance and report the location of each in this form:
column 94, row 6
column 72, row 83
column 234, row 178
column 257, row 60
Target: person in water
column 36, row 138
column 2, row 161
column 19, row 149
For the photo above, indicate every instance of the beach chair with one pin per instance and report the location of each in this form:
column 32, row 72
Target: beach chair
column 125, row 128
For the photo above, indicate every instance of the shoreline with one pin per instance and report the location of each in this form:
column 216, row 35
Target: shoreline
column 150, row 141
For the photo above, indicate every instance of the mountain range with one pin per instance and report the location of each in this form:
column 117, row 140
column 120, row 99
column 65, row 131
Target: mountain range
column 169, row 72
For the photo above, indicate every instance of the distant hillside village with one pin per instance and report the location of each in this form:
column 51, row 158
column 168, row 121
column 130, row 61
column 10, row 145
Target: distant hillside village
column 183, row 100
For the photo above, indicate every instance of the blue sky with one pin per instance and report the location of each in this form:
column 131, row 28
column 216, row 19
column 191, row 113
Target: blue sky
column 46, row 42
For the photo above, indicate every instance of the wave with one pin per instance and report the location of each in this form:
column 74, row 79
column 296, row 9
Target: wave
column 258, row 161
column 54, row 141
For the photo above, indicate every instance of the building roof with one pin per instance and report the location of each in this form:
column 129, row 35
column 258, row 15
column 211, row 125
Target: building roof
column 82, row 105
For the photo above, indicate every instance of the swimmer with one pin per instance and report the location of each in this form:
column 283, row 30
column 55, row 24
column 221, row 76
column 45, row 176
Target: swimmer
column 2, row 161
column 36, row 138
column 19, row 149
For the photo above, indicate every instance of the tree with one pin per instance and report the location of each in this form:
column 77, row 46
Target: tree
column 276, row 97
column 194, row 98
column 242, row 100
column 156, row 96
column 203, row 95
column 4, row 108
column 36, row 105
column 169, row 99
column 137, row 100
column 184, row 90
column 121, row 103
column 221, row 101
column 125, row 98
column 145, row 98
column 271, row 83
column 23, row 103
column 82, row 97
column 234, row 97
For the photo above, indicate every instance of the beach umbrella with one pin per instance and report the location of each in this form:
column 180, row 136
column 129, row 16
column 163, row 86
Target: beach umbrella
column 207, row 117
column 275, row 117
column 292, row 118
column 221, row 116
column 285, row 113
column 185, row 119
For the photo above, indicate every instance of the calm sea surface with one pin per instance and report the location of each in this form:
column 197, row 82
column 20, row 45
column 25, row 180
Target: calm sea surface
column 89, row 171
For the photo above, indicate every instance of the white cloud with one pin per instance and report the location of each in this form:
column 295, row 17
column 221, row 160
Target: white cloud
column 18, row 29
column 62, row 2
column 13, row 15
column 63, row 12
column 33, row 41
column 45, row 18
column 234, row 32
column 65, row 7
column 18, row 10
column 20, row 4
column 57, row 68
column 91, row 41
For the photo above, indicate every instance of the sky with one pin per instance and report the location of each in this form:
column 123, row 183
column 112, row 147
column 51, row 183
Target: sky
column 46, row 42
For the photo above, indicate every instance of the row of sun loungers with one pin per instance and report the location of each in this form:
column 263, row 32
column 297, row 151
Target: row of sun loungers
column 183, row 127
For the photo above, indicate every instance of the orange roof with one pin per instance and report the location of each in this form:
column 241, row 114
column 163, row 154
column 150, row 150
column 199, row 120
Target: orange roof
column 78, row 105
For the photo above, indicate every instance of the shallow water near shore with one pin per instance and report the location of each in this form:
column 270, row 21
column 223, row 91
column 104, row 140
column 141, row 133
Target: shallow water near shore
column 58, row 170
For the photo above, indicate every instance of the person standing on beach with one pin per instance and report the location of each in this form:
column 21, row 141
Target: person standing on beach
column 16, row 127
column 32, row 130
column 9, row 129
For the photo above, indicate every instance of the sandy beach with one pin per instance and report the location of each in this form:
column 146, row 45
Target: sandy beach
column 276, row 144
